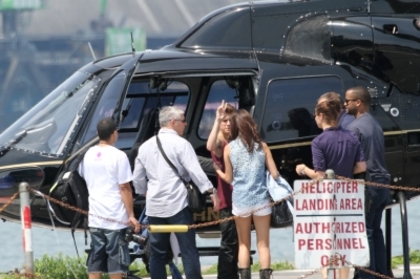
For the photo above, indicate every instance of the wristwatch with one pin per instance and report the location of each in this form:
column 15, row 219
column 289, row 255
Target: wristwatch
column 212, row 191
column 302, row 171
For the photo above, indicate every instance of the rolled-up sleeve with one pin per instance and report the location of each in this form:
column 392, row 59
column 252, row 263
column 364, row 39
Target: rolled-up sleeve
column 192, row 166
column 139, row 177
column 318, row 158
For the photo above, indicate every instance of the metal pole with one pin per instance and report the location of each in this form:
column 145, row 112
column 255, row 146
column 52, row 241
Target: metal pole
column 331, row 271
column 388, row 240
column 330, row 174
column 25, row 216
column 404, row 226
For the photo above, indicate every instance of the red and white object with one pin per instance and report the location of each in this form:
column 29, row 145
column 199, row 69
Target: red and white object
column 329, row 219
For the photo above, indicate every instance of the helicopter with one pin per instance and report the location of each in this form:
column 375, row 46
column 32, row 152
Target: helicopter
column 271, row 58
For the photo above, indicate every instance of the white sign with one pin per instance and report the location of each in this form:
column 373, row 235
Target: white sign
column 329, row 218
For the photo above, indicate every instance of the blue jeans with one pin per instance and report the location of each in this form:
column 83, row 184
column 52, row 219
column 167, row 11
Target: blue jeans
column 159, row 245
column 379, row 199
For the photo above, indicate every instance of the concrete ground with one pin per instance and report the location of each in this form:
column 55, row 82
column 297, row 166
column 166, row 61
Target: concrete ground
column 299, row 274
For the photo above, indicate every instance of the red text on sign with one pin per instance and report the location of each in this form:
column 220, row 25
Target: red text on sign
column 330, row 227
column 329, row 204
column 331, row 187
column 329, row 244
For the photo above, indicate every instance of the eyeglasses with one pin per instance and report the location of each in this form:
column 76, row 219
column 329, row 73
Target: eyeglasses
column 181, row 120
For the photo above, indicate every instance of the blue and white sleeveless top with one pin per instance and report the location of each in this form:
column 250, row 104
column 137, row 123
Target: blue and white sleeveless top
column 249, row 188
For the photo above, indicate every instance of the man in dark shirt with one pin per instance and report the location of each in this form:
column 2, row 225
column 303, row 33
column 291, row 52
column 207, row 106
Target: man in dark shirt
column 371, row 138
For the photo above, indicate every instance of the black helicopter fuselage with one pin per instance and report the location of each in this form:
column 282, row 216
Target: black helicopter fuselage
column 271, row 58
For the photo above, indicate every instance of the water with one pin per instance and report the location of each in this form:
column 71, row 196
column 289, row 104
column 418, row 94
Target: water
column 50, row 242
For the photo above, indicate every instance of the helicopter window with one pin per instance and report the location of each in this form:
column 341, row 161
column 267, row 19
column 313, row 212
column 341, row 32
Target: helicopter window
column 220, row 90
column 48, row 125
column 106, row 105
column 140, row 100
column 289, row 107
column 131, row 120
column 228, row 29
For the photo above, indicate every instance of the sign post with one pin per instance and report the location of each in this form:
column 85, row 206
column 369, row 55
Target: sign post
column 25, row 213
column 329, row 222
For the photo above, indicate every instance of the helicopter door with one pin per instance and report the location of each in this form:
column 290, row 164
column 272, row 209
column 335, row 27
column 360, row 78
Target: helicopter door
column 125, row 72
column 111, row 100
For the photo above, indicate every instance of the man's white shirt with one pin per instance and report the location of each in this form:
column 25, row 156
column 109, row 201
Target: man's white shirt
column 104, row 168
column 166, row 193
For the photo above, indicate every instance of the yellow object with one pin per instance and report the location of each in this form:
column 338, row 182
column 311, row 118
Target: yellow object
column 167, row 228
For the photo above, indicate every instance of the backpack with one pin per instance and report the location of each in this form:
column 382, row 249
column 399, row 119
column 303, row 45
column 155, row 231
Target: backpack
column 71, row 188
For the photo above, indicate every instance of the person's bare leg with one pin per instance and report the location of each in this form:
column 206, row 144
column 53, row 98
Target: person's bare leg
column 262, row 227
column 344, row 273
column 243, row 227
column 116, row 276
column 95, row 275
column 324, row 273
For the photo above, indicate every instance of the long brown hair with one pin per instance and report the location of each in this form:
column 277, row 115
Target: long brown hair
column 243, row 126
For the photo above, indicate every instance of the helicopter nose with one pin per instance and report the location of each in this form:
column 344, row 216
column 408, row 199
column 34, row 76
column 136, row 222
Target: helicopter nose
column 9, row 185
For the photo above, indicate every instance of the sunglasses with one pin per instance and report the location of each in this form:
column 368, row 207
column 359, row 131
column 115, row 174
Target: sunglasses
column 348, row 101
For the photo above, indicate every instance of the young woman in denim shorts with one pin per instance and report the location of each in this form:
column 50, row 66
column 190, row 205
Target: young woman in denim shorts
column 246, row 158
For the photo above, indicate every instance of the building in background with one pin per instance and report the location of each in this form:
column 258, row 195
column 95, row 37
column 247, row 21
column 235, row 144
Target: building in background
column 43, row 41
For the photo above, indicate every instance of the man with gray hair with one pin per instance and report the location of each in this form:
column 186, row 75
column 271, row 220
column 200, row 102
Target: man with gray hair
column 166, row 199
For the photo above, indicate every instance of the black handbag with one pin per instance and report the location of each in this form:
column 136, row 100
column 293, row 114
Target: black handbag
column 196, row 200
column 281, row 216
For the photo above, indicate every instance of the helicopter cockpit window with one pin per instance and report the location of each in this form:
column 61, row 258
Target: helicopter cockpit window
column 107, row 104
column 47, row 127
column 219, row 90
column 141, row 99
column 290, row 104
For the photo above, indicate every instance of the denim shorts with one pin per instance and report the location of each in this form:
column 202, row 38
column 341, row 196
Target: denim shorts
column 108, row 252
